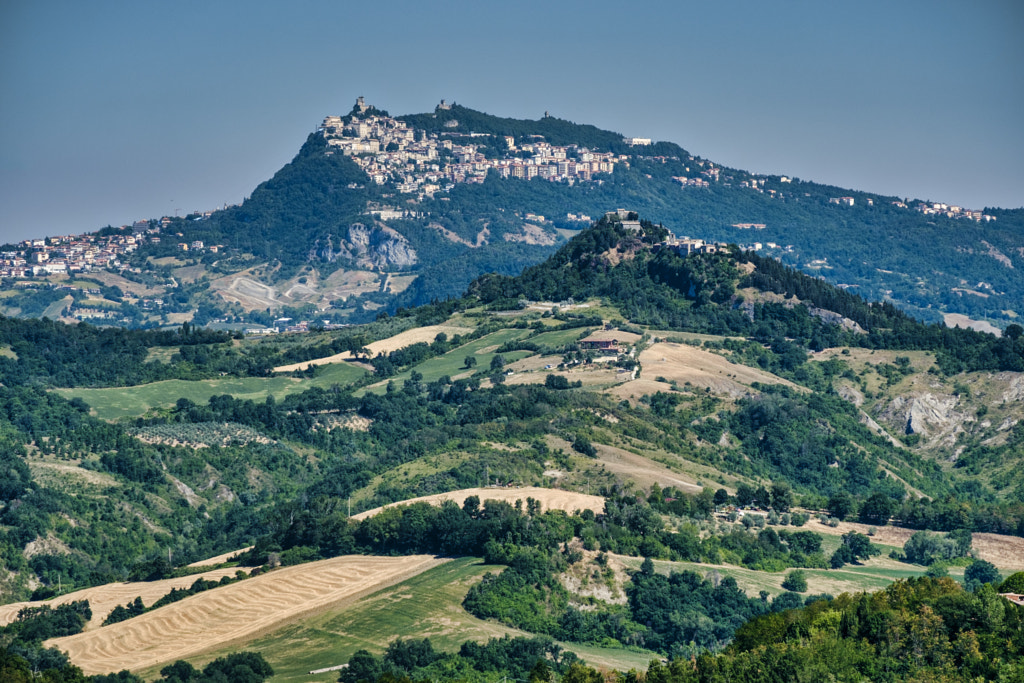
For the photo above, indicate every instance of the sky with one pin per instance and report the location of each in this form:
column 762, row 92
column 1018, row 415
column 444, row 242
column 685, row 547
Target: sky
column 112, row 112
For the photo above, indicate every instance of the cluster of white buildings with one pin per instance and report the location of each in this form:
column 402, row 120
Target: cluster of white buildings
column 423, row 163
column 684, row 246
column 950, row 211
column 72, row 253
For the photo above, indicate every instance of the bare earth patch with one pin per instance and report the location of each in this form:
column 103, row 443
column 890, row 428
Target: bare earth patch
column 237, row 611
column 70, row 474
column 399, row 341
column 550, row 499
column 957, row 320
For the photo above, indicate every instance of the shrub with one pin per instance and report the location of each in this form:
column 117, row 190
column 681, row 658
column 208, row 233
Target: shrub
column 556, row 382
column 796, row 581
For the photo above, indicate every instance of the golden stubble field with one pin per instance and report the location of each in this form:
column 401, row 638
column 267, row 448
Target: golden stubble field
column 102, row 599
column 1005, row 552
column 702, row 369
column 399, row 341
column 550, row 499
column 238, row 611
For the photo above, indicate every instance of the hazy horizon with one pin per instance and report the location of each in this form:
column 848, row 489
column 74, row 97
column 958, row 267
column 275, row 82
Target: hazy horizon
column 119, row 111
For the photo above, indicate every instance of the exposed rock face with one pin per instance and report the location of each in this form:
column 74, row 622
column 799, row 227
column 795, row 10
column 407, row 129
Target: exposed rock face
column 866, row 420
column 932, row 416
column 368, row 247
column 1014, row 392
column 834, row 318
column 851, row 394
column 532, row 234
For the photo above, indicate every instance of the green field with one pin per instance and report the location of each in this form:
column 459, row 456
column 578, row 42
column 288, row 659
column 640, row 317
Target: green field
column 454, row 362
column 428, row 605
column 561, row 337
column 118, row 402
column 873, row 575
column 55, row 309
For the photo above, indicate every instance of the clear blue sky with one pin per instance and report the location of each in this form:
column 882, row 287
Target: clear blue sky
column 115, row 111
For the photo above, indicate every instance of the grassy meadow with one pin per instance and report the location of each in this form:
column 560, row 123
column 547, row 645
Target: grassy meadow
column 119, row 402
column 453, row 363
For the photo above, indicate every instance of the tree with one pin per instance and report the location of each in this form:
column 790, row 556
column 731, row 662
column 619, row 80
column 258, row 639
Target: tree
column 854, row 547
column 704, row 501
column 540, row 673
column 497, row 362
column 979, row 573
column 744, row 495
column 877, row 509
column 470, row 362
column 556, row 382
column 762, row 497
column 782, row 497
column 840, row 505
column 1013, row 584
column 721, row 497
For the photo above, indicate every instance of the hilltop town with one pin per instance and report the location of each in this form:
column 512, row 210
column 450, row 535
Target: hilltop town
column 423, row 163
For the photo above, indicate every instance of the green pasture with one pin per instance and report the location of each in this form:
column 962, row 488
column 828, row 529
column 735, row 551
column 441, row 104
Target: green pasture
column 873, row 575
column 118, row 402
column 426, row 606
column 454, row 362
column 54, row 310
column 560, row 337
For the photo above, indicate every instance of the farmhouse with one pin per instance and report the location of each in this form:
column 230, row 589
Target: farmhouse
column 603, row 345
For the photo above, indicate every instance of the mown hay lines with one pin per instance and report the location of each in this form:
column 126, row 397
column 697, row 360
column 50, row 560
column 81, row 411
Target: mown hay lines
column 238, row 611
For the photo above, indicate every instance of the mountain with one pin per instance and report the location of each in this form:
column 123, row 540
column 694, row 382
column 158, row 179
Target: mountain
column 378, row 212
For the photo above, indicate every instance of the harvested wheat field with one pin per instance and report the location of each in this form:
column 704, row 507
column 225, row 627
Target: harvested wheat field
column 550, row 499
column 399, row 341
column 102, row 599
column 1005, row 552
column 219, row 559
column 241, row 610
column 683, row 363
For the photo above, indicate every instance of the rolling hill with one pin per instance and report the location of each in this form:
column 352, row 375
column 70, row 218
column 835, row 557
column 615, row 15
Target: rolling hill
column 722, row 414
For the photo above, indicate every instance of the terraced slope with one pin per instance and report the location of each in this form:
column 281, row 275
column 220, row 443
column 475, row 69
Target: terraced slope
column 238, row 611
